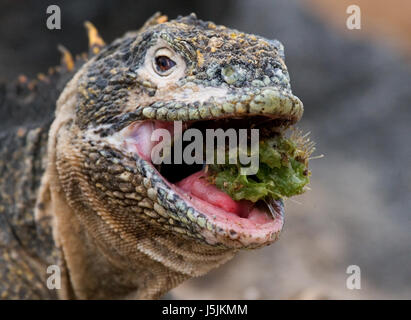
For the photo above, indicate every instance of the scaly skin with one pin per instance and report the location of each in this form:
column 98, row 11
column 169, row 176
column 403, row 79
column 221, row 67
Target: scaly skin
column 118, row 229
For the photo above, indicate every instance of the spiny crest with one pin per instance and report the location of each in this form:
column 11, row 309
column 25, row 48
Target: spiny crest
column 68, row 62
column 66, row 58
column 96, row 43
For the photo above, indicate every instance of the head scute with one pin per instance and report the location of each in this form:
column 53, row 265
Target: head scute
column 279, row 46
column 157, row 18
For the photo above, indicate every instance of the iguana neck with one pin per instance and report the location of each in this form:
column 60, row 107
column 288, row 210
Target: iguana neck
column 145, row 269
column 24, row 238
column 96, row 272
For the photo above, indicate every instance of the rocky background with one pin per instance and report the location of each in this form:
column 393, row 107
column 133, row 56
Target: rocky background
column 356, row 89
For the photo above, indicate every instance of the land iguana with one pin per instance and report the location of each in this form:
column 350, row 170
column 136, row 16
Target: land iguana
column 77, row 187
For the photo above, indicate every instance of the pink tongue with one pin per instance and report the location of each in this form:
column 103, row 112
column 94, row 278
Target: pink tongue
column 139, row 138
column 197, row 185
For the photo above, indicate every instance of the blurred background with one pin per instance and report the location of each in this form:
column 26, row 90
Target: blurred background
column 356, row 88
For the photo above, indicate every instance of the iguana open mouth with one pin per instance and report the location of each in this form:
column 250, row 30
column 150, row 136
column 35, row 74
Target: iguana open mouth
column 251, row 223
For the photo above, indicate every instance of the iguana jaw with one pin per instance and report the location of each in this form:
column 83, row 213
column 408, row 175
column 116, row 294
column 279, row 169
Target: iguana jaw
column 216, row 224
column 267, row 101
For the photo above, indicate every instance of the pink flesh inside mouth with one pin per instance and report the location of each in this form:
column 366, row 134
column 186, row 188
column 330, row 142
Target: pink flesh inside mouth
column 239, row 217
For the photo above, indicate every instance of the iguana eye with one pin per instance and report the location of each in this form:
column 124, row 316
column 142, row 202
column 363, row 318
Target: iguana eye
column 163, row 65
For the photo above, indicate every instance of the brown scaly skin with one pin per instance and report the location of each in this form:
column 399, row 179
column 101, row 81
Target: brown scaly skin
column 118, row 231
column 26, row 243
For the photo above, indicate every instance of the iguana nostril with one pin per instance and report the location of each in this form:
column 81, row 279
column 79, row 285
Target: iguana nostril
column 232, row 74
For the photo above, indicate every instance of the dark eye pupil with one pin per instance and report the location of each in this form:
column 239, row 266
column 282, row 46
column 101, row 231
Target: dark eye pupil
column 164, row 63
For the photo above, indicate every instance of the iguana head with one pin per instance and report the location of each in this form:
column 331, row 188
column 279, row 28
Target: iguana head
column 185, row 69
